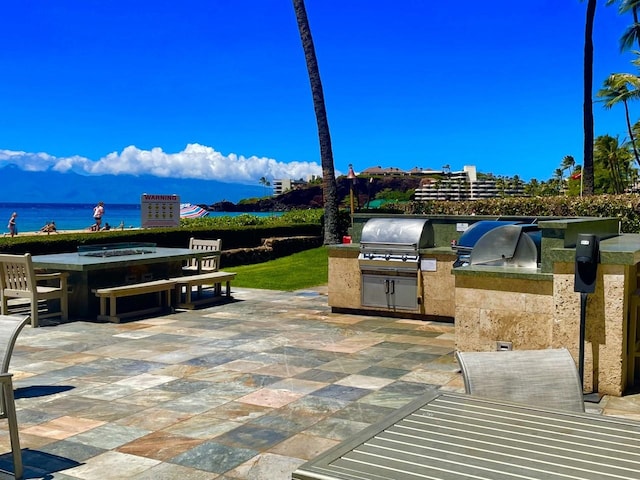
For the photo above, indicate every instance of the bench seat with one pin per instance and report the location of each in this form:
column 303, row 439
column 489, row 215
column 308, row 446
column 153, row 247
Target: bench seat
column 187, row 283
column 113, row 293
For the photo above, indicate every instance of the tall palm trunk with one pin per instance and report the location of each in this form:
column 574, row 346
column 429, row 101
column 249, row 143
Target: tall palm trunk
column 329, row 187
column 587, row 173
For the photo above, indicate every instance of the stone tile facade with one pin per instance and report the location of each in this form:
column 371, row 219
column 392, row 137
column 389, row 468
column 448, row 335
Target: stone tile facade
column 545, row 313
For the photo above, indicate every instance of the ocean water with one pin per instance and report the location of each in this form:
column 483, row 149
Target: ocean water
column 75, row 216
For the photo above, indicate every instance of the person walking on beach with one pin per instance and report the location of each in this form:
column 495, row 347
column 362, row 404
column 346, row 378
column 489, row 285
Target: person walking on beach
column 98, row 212
column 13, row 228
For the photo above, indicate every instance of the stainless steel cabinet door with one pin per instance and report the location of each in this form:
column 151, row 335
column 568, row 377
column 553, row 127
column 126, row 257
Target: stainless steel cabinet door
column 390, row 292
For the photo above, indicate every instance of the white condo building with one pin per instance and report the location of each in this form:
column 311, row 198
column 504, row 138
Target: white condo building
column 464, row 185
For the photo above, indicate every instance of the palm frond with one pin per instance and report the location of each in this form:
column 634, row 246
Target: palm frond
column 629, row 37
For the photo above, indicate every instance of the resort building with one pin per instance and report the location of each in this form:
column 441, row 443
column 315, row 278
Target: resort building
column 442, row 184
column 282, row 185
column 464, row 185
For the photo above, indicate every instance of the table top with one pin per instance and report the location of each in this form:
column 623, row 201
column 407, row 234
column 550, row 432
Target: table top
column 74, row 262
column 455, row 436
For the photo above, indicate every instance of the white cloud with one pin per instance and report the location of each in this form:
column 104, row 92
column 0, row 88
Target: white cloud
column 195, row 161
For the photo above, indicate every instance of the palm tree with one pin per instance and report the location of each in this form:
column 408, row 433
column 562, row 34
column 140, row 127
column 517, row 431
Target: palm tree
column 264, row 182
column 329, row 186
column 568, row 162
column 587, row 105
column 616, row 90
column 632, row 33
column 614, row 159
column 532, row 188
column 557, row 180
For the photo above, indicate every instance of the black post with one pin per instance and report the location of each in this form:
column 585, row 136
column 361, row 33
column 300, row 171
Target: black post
column 583, row 323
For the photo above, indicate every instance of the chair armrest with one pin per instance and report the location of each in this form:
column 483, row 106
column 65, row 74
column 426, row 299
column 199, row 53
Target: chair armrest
column 62, row 276
column 51, row 276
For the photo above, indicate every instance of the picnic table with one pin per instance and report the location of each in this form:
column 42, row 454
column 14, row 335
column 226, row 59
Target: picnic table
column 88, row 273
column 452, row 436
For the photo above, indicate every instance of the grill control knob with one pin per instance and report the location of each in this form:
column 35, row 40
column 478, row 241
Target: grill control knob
column 387, row 256
column 404, row 258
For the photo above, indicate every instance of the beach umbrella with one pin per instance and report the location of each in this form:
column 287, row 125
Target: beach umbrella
column 192, row 211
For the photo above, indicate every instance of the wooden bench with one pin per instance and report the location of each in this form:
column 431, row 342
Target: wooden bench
column 113, row 293
column 188, row 282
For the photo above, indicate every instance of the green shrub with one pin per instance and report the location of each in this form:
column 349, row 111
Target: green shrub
column 624, row 207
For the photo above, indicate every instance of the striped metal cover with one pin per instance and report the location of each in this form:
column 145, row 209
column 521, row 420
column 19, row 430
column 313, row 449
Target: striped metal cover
column 458, row 437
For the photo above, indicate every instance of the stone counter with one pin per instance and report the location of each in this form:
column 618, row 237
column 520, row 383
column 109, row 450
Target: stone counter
column 533, row 308
column 536, row 310
column 436, row 287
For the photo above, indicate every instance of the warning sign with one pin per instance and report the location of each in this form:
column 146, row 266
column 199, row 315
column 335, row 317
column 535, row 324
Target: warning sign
column 159, row 210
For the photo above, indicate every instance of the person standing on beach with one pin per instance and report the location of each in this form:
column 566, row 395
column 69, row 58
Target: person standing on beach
column 13, row 228
column 98, row 212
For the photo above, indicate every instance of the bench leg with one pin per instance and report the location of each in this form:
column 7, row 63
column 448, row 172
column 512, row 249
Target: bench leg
column 168, row 298
column 228, row 288
column 112, row 306
column 177, row 293
column 103, row 306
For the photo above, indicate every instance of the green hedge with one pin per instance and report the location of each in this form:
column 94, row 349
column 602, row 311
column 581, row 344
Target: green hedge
column 232, row 237
column 625, row 207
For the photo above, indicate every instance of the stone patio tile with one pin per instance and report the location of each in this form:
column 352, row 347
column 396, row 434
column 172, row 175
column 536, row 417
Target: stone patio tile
column 62, row 427
column 111, row 466
column 214, row 457
column 160, row 445
column 270, row 398
column 304, row 446
column 109, row 436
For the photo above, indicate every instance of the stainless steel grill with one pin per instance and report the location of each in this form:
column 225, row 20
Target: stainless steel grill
column 389, row 261
column 499, row 242
column 509, row 245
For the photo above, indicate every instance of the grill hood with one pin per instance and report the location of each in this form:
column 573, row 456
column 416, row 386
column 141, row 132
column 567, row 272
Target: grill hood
column 394, row 234
column 508, row 245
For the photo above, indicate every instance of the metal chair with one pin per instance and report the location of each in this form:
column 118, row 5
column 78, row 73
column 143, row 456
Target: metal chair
column 19, row 280
column 545, row 378
column 10, row 327
column 206, row 264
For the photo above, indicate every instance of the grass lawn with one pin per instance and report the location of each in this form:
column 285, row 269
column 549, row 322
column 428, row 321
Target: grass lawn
column 300, row 270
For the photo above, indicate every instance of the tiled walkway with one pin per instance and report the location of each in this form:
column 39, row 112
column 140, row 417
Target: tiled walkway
column 249, row 389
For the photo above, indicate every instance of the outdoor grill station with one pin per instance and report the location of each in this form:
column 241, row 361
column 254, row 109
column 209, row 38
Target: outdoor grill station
column 389, row 261
column 506, row 282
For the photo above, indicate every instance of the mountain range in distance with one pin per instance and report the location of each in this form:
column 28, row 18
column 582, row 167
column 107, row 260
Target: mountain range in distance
column 54, row 187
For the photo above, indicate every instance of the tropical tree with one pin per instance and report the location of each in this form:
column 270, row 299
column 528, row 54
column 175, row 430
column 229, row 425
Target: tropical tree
column 329, row 186
column 587, row 104
column 557, row 180
column 265, row 183
column 615, row 90
column 532, row 188
column 568, row 162
column 632, row 33
column 612, row 165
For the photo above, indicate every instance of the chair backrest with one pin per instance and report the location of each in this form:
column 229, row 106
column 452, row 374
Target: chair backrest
column 544, row 378
column 16, row 273
column 10, row 327
column 208, row 263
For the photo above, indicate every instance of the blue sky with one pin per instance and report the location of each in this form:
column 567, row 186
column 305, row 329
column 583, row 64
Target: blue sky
column 213, row 89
